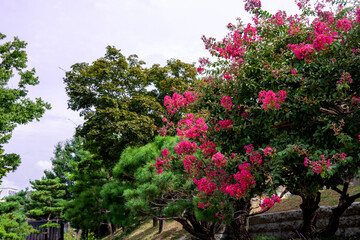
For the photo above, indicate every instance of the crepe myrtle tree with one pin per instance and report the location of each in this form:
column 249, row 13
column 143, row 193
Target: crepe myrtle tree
column 278, row 105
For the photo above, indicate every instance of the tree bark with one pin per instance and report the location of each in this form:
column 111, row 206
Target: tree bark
column 155, row 222
column 239, row 226
column 161, row 226
column 345, row 202
column 309, row 206
column 198, row 233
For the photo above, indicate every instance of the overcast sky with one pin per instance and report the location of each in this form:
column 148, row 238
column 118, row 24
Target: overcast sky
column 60, row 33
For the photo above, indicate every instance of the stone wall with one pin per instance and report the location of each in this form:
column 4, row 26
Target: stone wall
column 281, row 225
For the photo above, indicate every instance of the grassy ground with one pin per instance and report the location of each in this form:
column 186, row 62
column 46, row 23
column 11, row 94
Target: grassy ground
column 173, row 230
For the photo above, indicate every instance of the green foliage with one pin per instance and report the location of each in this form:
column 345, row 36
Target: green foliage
column 66, row 156
column 13, row 224
column 15, row 107
column 46, row 201
column 85, row 210
column 136, row 183
column 113, row 94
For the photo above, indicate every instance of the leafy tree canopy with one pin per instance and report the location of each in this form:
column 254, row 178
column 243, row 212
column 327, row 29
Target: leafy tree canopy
column 15, row 107
column 121, row 100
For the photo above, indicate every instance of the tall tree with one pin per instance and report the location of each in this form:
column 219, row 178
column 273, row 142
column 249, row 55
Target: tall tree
column 46, row 202
column 15, row 107
column 66, row 156
column 85, row 211
column 121, row 100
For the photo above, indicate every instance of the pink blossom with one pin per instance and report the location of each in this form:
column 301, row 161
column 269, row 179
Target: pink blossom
column 357, row 15
column 302, row 50
column 267, row 203
column 185, row 147
column 251, row 5
column 293, row 71
column 268, row 151
column 345, row 78
column 255, row 158
column 318, row 166
column 191, row 127
column 219, row 159
column 355, row 100
column 344, row 24
column 178, row 101
column 249, row 148
column 322, row 41
column 188, row 161
column 209, row 149
column 165, row 152
column 278, row 18
column 342, row 156
column 205, row 185
column 272, row 100
column 276, row 198
column 245, row 115
column 306, row 162
column 200, row 70
column 226, row 124
column 226, row 103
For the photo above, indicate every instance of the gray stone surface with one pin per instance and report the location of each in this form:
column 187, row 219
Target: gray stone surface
column 281, row 225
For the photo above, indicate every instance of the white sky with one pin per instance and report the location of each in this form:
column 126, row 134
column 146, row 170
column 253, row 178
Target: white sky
column 61, row 33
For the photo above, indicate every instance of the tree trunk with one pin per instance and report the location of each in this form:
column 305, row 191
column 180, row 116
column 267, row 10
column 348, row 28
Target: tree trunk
column 239, row 226
column 203, row 230
column 345, row 202
column 161, row 226
column 334, row 220
column 309, row 206
column 155, row 222
column 110, row 230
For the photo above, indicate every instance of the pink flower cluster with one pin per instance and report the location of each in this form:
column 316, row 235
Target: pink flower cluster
column 278, row 18
column 209, row 148
column 226, row 103
column 189, row 161
column 271, row 100
column 165, row 152
column 357, row 15
column 186, row 148
column 231, row 47
column 219, row 159
column 160, row 162
column 191, row 127
column 205, row 185
column 268, row 151
column 302, row 50
column 322, row 41
column 355, row 100
column 226, row 124
column 179, row 101
column 244, row 182
column 344, row 24
column 318, row 166
column 345, row 78
column 268, row 203
column 251, row 5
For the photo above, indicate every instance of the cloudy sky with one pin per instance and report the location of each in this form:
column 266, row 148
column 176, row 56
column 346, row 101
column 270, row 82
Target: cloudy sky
column 63, row 32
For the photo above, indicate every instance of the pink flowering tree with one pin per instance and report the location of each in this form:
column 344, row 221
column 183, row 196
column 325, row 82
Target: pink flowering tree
column 278, row 105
